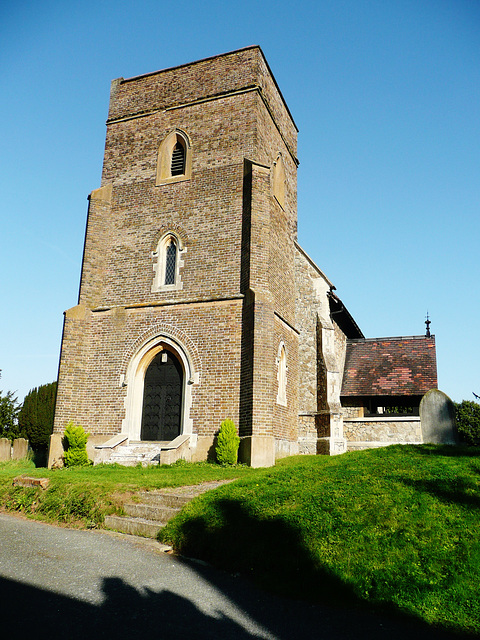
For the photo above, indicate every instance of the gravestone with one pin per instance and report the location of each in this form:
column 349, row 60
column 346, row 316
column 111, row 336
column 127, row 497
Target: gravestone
column 437, row 415
column 20, row 449
column 5, row 449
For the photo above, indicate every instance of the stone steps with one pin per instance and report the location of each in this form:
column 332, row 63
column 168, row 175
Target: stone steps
column 159, row 513
column 151, row 510
column 133, row 526
column 120, row 450
column 146, row 517
column 175, row 500
column 132, row 454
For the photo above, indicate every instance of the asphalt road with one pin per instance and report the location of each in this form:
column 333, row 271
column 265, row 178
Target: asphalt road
column 62, row 583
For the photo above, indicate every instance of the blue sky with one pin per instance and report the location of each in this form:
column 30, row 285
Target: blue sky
column 385, row 94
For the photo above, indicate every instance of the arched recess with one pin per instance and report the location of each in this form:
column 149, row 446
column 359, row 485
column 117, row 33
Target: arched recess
column 142, row 366
column 282, row 375
column 278, row 180
column 174, row 161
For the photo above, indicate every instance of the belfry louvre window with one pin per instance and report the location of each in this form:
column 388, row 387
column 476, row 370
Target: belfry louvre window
column 170, row 262
column 174, row 160
column 178, row 160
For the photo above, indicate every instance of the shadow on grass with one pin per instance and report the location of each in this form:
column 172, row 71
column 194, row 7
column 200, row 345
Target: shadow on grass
column 272, row 554
column 451, row 491
column 448, row 450
column 270, row 551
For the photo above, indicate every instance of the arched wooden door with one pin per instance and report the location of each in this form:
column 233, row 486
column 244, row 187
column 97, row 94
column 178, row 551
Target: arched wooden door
column 162, row 398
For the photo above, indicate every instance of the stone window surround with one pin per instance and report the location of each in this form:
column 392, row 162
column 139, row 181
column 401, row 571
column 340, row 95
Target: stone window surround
column 164, row 158
column 159, row 262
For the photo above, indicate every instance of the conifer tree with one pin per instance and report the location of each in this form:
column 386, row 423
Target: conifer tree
column 36, row 415
column 9, row 408
column 227, row 443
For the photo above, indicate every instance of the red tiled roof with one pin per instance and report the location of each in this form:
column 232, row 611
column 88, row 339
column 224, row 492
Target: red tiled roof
column 390, row 367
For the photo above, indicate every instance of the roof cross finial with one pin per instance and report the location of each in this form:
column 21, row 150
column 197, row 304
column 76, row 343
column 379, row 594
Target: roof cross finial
column 427, row 323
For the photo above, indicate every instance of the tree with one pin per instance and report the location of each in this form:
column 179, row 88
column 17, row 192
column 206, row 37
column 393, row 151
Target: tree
column 36, row 415
column 9, row 408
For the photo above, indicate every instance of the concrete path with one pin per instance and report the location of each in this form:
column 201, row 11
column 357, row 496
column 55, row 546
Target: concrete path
column 61, row 583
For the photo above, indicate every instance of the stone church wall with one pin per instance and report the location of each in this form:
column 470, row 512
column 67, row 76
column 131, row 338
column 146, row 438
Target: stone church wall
column 206, row 214
column 321, row 354
column 285, row 416
column 380, row 432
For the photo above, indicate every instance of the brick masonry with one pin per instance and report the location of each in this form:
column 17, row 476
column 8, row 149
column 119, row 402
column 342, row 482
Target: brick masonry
column 237, row 299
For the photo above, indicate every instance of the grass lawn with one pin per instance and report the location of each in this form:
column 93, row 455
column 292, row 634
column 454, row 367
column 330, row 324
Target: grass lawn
column 397, row 528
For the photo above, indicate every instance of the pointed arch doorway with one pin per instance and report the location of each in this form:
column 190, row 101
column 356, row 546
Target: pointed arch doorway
column 162, row 398
column 159, row 379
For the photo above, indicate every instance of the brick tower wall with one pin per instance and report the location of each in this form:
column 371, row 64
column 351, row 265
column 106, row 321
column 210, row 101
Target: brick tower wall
column 232, row 111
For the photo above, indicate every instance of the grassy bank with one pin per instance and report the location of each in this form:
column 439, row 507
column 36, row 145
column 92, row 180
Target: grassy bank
column 82, row 496
column 395, row 527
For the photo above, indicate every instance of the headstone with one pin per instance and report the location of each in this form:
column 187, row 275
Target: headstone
column 55, row 451
column 437, row 416
column 20, row 449
column 5, row 449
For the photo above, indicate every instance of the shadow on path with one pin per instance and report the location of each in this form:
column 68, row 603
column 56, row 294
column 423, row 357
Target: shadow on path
column 129, row 613
column 125, row 613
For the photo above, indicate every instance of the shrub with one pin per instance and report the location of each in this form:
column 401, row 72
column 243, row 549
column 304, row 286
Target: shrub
column 228, row 441
column 467, row 417
column 75, row 440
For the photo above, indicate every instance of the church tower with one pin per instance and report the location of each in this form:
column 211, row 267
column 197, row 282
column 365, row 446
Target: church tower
column 186, row 311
